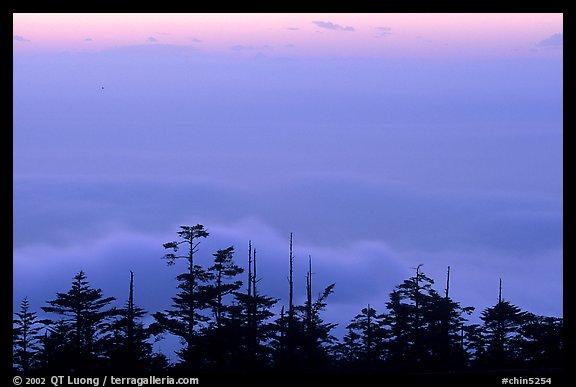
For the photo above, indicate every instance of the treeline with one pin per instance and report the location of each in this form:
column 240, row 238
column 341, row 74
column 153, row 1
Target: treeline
column 226, row 324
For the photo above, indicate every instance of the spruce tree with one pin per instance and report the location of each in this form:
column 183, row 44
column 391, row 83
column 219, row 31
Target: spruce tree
column 85, row 315
column 26, row 338
column 364, row 344
column 252, row 315
column 186, row 315
column 501, row 324
column 425, row 327
column 220, row 336
column 315, row 339
column 541, row 341
column 130, row 350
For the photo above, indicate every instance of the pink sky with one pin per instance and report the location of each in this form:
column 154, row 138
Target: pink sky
column 283, row 35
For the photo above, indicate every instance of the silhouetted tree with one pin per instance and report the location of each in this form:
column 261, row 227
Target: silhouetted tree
column 425, row 328
column 399, row 320
column 254, row 311
column 183, row 319
column 290, row 327
column 224, row 271
column 130, row 350
column 364, row 346
column 26, row 338
column 502, row 324
column 443, row 320
column 541, row 345
column 409, row 306
column 226, row 327
column 85, row 316
column 473, row 343
column 315, row 337
column 57, row 353
column 220, row 340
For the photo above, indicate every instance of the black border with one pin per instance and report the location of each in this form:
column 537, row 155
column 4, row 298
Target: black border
column 457, row 379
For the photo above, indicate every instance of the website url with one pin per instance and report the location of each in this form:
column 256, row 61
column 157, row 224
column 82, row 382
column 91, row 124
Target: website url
column 153, row 380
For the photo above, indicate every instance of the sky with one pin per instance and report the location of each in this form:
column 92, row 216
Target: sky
column 381, row 141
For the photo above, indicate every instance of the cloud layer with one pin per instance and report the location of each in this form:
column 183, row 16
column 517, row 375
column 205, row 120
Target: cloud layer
column 333, row 26
column 375, row 166
column 20, row 38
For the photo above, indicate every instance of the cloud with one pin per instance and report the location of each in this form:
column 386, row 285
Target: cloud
column 383, row 31
column 196, row 40
column 293, row 29
column 553, row 41
column 333, row 26
column 88, row 40
column 20, row 38
column 152, row 39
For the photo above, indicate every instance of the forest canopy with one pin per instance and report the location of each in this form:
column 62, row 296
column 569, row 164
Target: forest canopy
column 227, row 324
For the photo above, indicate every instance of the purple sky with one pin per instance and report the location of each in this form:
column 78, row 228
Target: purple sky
column 375, row 163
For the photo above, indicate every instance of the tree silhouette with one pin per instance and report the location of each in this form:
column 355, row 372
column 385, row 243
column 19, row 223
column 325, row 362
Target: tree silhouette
column 444, row 320
column 502, row 324
column 316, row 337
column 26, row 338
column 364, row 346
column 57, row 353
column 425, row 328
column 225, row 327
column 541, row 344
column 220, row 336
column 224, row 271
column 399, row 320
column 85, row 317
column 183, row 319
column 253, row 314
column 129, row 348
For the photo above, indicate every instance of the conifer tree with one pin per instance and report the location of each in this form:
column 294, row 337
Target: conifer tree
column 85, row 315
column 541, row 344
column 185, row 316
column 425, row 327
column 315, row 335
column 220, row 336
column 254, row 308
column 26, row 338
column 224, row 271
column 501, row 324
column 364, row 344
column 129, row 348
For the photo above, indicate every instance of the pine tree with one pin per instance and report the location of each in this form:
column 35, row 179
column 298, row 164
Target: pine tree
column 364, row 344
column 184, row 318
column 57, row 352
column 224, row 272
column 473, row 343
column 85, row 315
column 444, row 319
column 541, row 343
column 425, row 327
column 130, row 351
column 26, row 338
column 399, row 320
column 220, row 337
column 253, row 314
column 409, row 305
column 315, row 337
column 502, row 324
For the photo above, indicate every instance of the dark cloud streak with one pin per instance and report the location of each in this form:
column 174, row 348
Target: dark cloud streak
column 553, row 41
column 333, row 26
column 20, row 38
